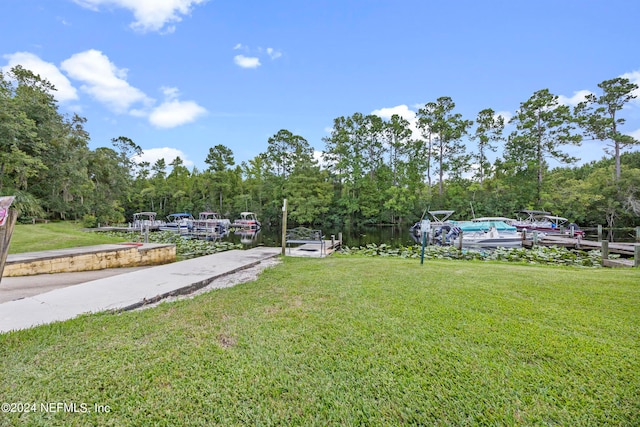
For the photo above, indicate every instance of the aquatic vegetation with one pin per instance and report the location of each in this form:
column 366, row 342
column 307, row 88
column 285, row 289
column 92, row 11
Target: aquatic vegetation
column 538, row 255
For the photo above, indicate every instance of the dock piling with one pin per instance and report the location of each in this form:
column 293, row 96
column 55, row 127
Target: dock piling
column 605, row 251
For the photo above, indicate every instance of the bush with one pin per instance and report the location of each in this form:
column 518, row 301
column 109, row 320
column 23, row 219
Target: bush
column 89, row 221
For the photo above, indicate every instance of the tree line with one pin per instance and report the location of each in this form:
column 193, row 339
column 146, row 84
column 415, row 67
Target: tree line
column 372, row 170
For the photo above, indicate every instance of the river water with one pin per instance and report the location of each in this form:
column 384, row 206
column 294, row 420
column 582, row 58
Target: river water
column 392, row 236
column 268, row 236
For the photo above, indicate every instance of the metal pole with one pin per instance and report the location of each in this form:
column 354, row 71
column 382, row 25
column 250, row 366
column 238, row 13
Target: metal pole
column 284, row 227
column 636, row 256
column 424, row 243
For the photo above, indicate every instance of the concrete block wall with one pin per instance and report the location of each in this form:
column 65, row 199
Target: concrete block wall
column 86, row 259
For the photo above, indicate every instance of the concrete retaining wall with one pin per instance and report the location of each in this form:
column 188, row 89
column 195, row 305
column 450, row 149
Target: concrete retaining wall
column 88, row 258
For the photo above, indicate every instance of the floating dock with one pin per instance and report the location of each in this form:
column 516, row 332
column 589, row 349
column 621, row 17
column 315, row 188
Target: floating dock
column 315, row 249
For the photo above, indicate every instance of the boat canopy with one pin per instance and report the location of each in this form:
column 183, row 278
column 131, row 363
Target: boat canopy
column 178, row 216
column 469, row 226
column 209, row 215
column 139, row 215
column 441, row 216
column 494, row 218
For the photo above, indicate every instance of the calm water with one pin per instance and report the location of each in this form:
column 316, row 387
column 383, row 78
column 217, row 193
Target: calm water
column 268, row 236
column 392, row 236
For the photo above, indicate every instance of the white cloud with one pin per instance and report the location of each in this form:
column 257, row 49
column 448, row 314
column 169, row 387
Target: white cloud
column 635, row 134
column 169, row 154
column 253, row 61
column 172, row 113
column 170, row 93
column 103, row 80
column 402, row 111
column 150, row 15
column 506, row 115
column 107, row 84
column 246, row 62
column 634, row 77
column 318, row 157
column 273, row 54
column 65, row 91
column 577, row 98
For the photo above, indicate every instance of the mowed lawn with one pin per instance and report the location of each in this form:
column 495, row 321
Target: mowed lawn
column 348, row 341
column 54, row 235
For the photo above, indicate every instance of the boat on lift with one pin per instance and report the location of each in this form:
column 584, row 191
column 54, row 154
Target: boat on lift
column 544, row 222
column 211, row 222
column 145, row 220
column 485, row 234
column 247, row 221
column 178, row 222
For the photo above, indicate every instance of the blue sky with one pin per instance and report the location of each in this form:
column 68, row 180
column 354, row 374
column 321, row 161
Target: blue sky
column 181, row 76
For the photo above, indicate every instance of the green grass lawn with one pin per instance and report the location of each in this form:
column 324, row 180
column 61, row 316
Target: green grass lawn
column 54, row 235
column 350, row 341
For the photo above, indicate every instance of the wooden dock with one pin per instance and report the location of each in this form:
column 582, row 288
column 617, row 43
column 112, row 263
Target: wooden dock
column 627, row 249
column 622, row 248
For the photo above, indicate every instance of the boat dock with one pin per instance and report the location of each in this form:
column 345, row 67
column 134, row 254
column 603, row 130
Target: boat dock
column 626, row 249
column 315, row 249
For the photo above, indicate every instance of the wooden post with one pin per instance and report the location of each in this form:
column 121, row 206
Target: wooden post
column 460, row 241
column 638, row 234
column 535, row 238
column 284, row 227
column 599, row 232
column 7, row 222
column 636, row 256
column 605, row 251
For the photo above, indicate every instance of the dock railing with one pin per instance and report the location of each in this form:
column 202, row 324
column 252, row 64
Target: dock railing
column 303, row 235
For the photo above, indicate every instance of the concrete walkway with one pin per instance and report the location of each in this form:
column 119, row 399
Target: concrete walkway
column 127, row 291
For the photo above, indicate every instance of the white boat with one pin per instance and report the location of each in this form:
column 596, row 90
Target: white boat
column 145, row 220
column 247, row 221
column 211, row 222
column 178, row 222
column 486, row 234
column 544, row 222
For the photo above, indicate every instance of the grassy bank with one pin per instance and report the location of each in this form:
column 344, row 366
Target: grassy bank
column 351, row 341
column 55, row 235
